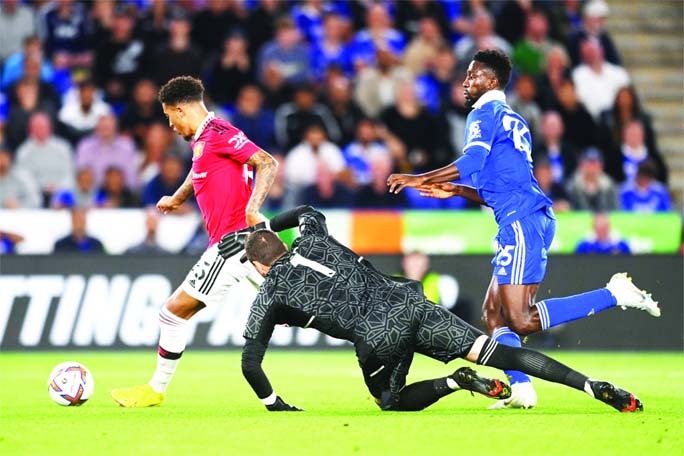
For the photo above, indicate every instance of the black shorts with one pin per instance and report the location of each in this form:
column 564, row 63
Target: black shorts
column 442, row 335
column 435, row 332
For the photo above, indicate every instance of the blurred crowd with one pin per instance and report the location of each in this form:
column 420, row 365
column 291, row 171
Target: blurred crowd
column 342, row 92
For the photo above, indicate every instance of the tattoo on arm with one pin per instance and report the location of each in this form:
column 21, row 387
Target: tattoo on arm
column 185, row 191
column 266, row 169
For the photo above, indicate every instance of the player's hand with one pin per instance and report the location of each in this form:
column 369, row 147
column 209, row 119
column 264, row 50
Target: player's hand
column 442, row 190
column 398, row 182
column 168, row 204
column 254, row 218
column 281, row 406
column 232, row 243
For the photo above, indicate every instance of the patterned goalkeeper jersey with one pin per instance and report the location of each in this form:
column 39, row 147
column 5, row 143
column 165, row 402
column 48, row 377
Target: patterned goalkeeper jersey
column 324, row 285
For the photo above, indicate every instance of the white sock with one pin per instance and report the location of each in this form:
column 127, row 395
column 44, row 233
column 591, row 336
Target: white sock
column 451, row 383
column 172, row 339
column 270, row 399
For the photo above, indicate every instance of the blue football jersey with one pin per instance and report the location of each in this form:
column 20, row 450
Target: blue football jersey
column 498, row 158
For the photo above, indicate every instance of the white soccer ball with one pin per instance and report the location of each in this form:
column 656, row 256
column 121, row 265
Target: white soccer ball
column 70, row 383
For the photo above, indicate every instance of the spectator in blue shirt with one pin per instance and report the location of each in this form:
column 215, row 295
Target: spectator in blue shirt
column 285, row 61
column 308, row 15
column 13, row 67
column 171, row 176
column 645, row 193
column 359, row 153
column 602, row 241
column 622, row 162
column 4, row 109
column 555, row 191
column 331, row 49
column 458, row 14
column 255, row 120
column 378, row 34
column 8, row 242
column 78, row 240
column 65, row 28
column 434, row 86
column 83, row 195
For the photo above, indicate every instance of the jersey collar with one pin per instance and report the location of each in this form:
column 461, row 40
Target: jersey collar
column 203, row 125
column 492, row 95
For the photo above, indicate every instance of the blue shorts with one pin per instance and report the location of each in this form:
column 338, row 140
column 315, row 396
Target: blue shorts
column 522, row 249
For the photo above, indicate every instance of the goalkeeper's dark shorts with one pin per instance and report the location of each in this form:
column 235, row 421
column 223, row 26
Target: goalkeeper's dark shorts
column 437, row 333
column 443, row 336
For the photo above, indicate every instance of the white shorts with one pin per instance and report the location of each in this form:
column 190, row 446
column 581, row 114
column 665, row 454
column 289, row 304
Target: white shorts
column 212, row 277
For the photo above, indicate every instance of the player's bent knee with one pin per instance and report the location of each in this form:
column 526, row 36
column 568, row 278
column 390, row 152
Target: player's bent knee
column 389, row 402
column 523, row 325
column 182, row 306
column 492, row 318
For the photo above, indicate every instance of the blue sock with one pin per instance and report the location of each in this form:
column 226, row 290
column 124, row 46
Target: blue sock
column 507, row 337
column 554, row 311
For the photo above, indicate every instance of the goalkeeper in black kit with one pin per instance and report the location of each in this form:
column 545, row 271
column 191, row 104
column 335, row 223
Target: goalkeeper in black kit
column 324, row 285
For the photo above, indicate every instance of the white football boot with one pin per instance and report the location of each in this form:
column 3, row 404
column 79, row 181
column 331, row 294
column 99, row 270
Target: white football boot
column 629, row 295
column 523, row 396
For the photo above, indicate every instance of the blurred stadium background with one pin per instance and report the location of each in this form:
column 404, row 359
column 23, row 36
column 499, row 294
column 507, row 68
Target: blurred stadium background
column 343, row 93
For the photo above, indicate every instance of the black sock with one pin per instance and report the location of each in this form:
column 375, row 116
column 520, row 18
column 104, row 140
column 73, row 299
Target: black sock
column 420, row 395
column 531, row 362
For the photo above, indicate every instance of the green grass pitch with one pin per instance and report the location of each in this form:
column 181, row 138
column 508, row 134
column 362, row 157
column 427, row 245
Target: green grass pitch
column 210, row 410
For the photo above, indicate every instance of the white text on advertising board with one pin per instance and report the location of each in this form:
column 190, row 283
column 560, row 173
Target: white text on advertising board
column 121, row 310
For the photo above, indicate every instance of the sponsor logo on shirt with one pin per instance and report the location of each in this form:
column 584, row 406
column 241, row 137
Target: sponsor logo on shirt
column 201, row 175
column 238, row 140
column 474, row 131
column 197, row 150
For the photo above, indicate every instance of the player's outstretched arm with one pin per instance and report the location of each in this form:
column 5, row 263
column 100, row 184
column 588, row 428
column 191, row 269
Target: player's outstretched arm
column 448, row 189
column 398, row 182
column 289, row 219
column 309, row 220
column 168, row 204
column 252, row 356
column 266, row 169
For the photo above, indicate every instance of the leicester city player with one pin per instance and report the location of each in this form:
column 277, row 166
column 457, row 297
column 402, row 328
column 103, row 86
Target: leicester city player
column 497, row 156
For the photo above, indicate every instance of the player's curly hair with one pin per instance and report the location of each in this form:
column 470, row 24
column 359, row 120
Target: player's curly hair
column 264, row 246
column 181, row 89
column 498, row 62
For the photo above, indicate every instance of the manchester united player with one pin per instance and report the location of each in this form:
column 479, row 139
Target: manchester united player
column 224, row 162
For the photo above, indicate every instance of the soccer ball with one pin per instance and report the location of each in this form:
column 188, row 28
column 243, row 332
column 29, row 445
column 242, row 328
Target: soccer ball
column 70, row 383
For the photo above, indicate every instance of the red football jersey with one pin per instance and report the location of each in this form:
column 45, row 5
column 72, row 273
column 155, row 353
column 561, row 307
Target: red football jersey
column 221, row 179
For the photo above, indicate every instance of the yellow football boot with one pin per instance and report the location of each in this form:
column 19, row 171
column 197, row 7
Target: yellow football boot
column 137, row 396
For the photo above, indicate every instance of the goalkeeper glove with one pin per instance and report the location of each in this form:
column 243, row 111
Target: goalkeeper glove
column 232, row 243
column 281, row 406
